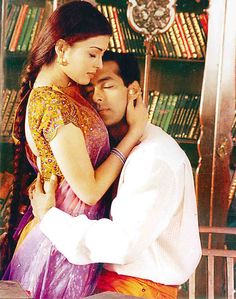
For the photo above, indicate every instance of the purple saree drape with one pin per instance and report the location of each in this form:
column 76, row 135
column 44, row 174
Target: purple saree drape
column 36, row 263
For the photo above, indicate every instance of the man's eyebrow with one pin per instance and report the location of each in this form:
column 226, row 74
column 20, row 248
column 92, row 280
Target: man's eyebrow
column 104, row 79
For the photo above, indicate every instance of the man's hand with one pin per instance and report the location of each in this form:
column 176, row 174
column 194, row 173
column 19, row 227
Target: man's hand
column 41, row 202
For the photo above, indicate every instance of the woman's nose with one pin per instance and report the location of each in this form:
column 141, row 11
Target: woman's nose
column 99, row 63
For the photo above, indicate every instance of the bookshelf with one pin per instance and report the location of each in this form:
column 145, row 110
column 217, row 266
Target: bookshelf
column 177, row 66
column 195, row 58
column 21, row 22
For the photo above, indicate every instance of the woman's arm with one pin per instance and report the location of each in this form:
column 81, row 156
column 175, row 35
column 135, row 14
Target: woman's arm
column 73, row 159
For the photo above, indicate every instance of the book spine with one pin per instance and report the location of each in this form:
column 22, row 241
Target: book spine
column 150, row 98
column 154, row 51
column 204, row 22
column 153, row 105
column 12, row 24
column 39, row 26
column 156, row 98
column 159, row 110
column 33, row 33
column 184, row 40
column 11, row 120
column 198, row 32
column 164, row 110
column 194, row 125
column 188, row 36
column 173, row 101
column 181, row 111
column 105, row 13
column 114, row 28
column 27, row 37
column 18, row 28
column 184, row 116
column 179, row 39
column 172, row 126
column 163, row 44
column 175, row 43
column 24, row 29
column 170, row 50
column 120, row 33
column 10, row 15
column 8, row 111
column 7, row 94
column 193, row 35
column 195, row 111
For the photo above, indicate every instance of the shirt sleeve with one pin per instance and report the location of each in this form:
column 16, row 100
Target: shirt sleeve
column 147, row 200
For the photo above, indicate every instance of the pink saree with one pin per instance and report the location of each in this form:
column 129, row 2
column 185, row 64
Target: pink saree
column 36, row 263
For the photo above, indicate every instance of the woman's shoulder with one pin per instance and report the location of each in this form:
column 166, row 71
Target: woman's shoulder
column 47, row 94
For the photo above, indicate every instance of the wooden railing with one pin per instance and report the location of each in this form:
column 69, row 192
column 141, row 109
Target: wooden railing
column 228, row 255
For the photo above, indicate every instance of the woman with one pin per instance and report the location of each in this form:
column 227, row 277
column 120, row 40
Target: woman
column 66, row 137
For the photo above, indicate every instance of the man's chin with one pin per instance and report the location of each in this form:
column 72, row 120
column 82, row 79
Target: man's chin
column 108, row 123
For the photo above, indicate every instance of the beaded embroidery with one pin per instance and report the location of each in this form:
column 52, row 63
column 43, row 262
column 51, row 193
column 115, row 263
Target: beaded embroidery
column 48, row 109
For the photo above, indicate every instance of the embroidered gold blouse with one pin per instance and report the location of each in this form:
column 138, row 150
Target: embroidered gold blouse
column 51, row 107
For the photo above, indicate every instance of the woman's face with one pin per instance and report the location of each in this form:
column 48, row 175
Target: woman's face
column 84, row 58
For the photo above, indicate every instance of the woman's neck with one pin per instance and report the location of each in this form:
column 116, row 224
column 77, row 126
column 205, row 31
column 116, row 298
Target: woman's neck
column 50, row 75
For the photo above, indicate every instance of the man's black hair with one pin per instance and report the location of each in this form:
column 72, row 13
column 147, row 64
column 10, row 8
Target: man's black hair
column 128, row 66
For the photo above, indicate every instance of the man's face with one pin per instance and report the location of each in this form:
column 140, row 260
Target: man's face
column 108, row 93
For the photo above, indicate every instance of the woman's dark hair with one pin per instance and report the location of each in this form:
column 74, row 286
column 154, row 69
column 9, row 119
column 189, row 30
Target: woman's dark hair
column 128, row 66
column 72, row 22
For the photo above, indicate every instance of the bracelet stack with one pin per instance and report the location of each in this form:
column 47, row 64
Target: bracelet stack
column 118, row 154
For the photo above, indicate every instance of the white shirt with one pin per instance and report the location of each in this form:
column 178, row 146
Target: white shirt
column 153, row 231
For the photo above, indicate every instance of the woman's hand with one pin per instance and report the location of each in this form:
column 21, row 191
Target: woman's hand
column 136, row 114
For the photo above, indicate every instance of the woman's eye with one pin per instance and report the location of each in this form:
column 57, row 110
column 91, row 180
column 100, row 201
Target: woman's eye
column 92, row 55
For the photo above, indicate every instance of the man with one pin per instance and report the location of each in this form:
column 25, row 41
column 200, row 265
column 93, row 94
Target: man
column 151, row 243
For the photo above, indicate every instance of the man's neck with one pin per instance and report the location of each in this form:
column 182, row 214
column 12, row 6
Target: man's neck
column 117, row 132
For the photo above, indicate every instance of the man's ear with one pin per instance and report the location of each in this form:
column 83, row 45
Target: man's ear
column 134, row 89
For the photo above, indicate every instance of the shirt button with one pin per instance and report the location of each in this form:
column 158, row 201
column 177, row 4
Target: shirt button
column 143, row 290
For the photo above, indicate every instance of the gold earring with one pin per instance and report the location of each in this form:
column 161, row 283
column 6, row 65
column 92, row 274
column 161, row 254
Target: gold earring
column 131, row 91
column 62, row 61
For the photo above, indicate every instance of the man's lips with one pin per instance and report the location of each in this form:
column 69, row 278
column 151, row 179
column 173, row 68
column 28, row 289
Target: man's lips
column 103, row 110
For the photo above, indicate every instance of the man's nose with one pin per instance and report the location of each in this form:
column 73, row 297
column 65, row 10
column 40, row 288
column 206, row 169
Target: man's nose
column 97, row 96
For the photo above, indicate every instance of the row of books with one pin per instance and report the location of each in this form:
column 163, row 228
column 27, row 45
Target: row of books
column 178, row 115
column 186, row 38
column 23, row 24
column 6, row 180
column 10, row 101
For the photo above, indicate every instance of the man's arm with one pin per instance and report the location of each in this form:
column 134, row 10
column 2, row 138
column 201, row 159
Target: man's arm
column 144, row 206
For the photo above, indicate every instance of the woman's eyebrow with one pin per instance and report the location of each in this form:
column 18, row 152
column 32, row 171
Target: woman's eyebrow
column 97, row 48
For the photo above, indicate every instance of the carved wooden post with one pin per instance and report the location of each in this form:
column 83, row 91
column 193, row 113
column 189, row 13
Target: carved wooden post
column 150, row 17
column 216, row 118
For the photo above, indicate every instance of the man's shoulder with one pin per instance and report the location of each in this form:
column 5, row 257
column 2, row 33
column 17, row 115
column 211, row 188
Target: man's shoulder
column 157, row 138
column 157, row 144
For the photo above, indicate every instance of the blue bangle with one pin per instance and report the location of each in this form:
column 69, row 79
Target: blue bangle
column 118, row 154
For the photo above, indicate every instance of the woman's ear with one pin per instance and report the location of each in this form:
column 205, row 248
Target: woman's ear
column 60, row 47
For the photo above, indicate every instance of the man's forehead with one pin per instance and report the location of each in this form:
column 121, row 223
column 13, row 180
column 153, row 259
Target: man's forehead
column 109, row 71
